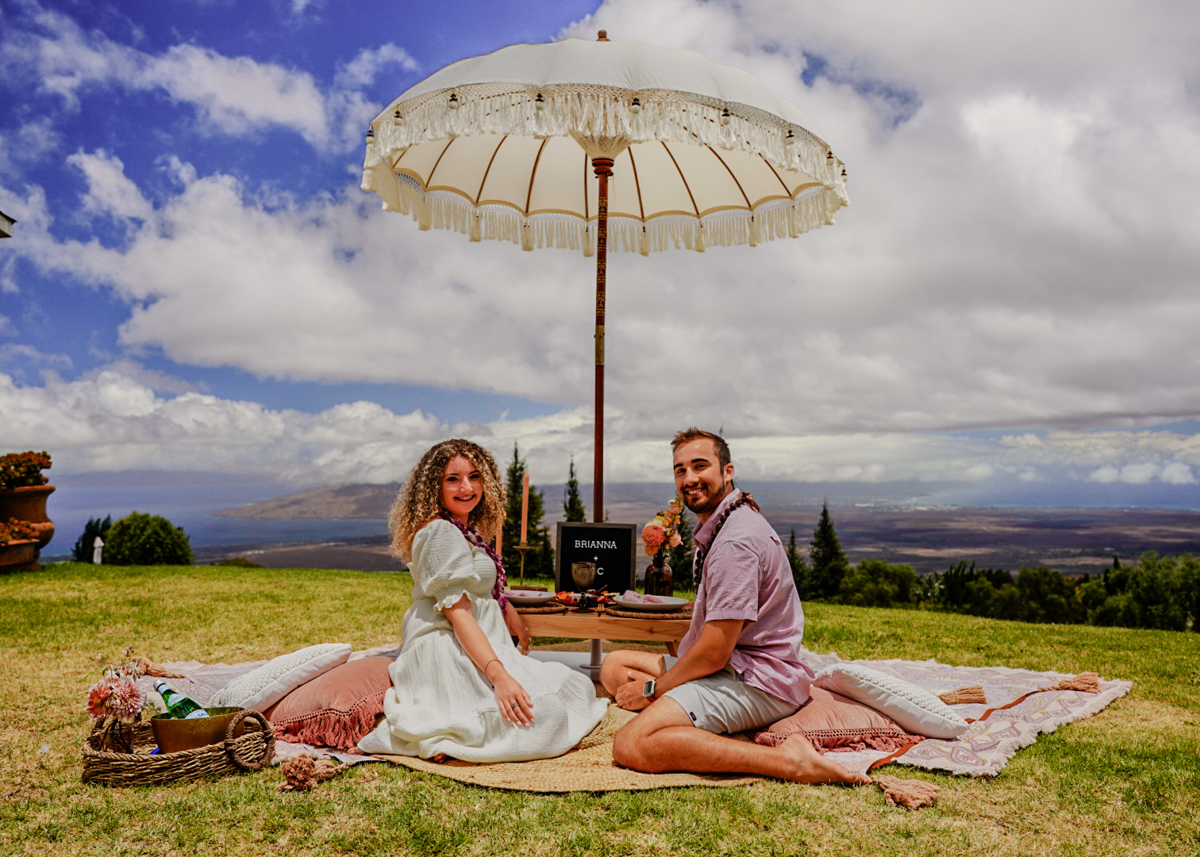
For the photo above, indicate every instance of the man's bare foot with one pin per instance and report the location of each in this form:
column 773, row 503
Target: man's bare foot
column 809, row 766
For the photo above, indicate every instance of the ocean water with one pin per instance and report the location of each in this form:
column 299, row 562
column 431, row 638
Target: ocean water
column 189, row 501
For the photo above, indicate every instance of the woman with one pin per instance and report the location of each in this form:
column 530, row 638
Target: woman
column 460, row 688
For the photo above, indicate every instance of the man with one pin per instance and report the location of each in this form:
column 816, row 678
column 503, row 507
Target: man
column 739, row 664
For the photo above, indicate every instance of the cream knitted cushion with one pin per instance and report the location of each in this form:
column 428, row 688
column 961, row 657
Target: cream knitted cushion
column 915, row 709
column 275, row 679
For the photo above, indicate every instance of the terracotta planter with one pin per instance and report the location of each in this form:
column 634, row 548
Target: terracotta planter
column 19, row 556
column 29, row 504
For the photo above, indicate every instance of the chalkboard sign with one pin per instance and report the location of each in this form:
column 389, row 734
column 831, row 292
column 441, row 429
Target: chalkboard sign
column 611, row 549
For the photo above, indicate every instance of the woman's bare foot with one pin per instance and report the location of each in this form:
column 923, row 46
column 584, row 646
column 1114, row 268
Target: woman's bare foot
column 809, row 766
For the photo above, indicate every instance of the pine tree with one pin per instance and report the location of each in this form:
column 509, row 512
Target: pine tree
column 680, row 558
column 539, row 561
column 572, row 502
column 799, row 563
column 829, row 563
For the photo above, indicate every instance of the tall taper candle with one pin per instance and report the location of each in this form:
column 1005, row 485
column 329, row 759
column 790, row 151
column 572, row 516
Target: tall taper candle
column 524, row 508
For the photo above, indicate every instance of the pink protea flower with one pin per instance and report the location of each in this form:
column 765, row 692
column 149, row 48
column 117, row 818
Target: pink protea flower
column 127, row 699
column 675, row 541
column 116, row 696
column 98, row 698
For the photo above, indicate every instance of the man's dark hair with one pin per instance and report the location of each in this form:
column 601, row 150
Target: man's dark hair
column 688, row 435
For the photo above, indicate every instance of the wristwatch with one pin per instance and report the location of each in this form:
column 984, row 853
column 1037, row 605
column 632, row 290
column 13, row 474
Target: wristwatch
column 648, row 690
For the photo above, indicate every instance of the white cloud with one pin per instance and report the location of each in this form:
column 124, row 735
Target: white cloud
column 362, row 70
column 1178, row 473
column 1020, row 254
column 109, row 190
column 125, row 418
column 12, row 353
column 237, row 96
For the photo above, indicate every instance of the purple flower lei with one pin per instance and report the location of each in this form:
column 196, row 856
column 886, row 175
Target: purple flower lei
column 477, row 540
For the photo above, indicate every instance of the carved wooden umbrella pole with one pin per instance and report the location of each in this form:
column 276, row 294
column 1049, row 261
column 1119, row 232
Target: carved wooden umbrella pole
column 520, row 145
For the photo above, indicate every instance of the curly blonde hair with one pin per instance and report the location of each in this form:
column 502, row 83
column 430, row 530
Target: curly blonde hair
column 419, row 499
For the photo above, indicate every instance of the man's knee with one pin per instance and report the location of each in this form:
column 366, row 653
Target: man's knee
column 611, row 673
column 626, row 750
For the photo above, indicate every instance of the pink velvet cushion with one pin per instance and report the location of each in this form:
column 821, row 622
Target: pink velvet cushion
column 336, row 708
column 835, row 722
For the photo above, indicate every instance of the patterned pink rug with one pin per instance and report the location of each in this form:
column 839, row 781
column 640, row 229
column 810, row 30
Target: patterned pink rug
column 1001, row 728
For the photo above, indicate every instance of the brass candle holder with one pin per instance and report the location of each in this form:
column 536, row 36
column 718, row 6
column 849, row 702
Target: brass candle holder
column 524, row 548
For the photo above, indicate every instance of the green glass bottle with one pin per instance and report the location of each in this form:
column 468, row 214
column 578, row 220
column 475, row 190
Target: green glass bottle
column 179, row 707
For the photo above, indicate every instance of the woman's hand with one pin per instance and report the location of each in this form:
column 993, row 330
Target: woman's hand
column 514, row 703
column 516, row 627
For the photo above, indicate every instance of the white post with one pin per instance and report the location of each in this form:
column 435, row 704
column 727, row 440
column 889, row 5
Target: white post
column 97, row 550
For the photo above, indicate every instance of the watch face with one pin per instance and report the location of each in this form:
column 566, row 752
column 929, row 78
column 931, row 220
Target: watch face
column 648, row 688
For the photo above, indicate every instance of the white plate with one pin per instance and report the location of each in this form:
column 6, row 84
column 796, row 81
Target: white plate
column 528, row 597
column 666, row 605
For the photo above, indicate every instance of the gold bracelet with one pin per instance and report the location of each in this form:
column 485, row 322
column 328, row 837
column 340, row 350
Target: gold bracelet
column 488, row 664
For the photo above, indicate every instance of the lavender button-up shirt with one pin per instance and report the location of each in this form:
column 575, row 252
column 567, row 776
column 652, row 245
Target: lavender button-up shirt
column 746, row 576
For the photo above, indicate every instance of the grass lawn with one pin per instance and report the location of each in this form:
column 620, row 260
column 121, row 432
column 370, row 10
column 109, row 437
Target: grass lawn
column 1126, row 782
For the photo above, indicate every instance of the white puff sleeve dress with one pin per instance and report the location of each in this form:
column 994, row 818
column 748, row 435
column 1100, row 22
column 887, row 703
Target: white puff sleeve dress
column 440, row 702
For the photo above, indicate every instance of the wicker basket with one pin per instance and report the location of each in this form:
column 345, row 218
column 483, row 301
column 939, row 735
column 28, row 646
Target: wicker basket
column 248, row 753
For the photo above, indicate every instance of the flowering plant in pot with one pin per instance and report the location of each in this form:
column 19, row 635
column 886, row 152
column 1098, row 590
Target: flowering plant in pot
column 16, row 531
column 23, row 469
column 23, row 491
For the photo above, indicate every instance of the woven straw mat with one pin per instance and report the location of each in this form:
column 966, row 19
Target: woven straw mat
column 588, row 767
column 646, row 614
column 545, row 608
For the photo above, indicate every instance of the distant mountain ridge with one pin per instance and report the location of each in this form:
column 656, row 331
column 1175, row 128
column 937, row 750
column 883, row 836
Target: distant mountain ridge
column 332, row 501
column 929, row 538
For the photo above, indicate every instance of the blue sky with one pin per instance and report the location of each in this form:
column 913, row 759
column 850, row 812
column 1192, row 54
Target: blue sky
column 1008, row 304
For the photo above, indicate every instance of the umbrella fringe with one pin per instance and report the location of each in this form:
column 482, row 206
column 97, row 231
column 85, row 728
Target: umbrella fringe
column 600, row 111
column 444, row 210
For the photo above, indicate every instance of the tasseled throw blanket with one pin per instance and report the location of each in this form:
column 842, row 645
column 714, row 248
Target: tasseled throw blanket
column 1008, row 709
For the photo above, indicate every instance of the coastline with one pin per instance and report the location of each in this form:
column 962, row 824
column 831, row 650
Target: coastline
column 370, row 554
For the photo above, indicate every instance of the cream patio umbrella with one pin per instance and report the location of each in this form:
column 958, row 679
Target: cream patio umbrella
column 519, row 145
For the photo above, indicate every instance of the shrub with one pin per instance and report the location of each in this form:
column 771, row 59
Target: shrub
column 875, row 583
column 84, row 545
column 141, row 539
column 23, row 469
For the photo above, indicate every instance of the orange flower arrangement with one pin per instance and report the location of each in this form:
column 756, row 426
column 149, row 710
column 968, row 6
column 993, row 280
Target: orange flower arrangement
column 662, row 531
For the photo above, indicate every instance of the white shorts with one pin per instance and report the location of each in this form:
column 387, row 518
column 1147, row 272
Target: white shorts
column 723, row 702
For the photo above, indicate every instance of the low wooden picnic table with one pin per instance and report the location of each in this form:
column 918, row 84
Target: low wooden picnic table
column 598, row 627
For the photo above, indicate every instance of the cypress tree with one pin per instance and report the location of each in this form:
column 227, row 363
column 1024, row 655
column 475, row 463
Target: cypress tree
column 680, row 558
column 829, row 563
column 572, row 502
column 539, row 561
column 85, row 544
column 799, row 564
